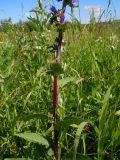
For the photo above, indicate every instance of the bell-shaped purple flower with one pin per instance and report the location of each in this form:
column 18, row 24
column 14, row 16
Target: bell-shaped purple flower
column 53, row 10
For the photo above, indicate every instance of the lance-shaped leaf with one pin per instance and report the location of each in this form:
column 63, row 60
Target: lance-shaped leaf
column 34, row 137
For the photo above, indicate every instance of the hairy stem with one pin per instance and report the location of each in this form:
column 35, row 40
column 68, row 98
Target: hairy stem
column 55, row 97
column 55, row 92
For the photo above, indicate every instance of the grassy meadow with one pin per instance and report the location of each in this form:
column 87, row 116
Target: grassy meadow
column 89, row 91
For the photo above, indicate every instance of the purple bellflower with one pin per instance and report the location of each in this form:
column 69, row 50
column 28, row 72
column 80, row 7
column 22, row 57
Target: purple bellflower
column 53, row 10
column 58, row 15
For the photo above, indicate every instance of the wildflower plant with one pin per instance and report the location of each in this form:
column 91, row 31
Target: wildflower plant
column 58, row 19
column 88, row 122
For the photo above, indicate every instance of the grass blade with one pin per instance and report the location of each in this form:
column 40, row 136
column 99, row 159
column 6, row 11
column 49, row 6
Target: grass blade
column 77, row 137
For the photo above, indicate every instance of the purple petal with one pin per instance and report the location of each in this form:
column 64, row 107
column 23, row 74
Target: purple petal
column 62, row 18
column 53, row 10
column 75, row 1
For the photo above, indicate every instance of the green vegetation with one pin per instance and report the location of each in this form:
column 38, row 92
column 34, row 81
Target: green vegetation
column 89, row 91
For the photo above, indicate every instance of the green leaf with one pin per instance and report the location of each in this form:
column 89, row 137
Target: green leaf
column 27, row 98
column 104, row 110
column 34, row 137
column 62, row 27
column 24, row 118
column 17, row 159
column 77, row 137
column 117, row 113
column 65, row 81
column 116, row 135
column 56, row 69
column 52, row 19
column 66, row 122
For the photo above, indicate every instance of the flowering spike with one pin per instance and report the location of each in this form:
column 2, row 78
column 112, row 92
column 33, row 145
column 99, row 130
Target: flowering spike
column 57, row 19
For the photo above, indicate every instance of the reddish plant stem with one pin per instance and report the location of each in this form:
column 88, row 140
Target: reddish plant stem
column 55, row 98
column 60, row 37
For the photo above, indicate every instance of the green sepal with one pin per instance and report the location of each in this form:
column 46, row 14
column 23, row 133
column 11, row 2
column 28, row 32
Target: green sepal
column 53, row 19
column 62, row 27
column 55, row 69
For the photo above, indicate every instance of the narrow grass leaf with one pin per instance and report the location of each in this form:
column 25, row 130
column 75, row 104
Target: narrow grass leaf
column 116, row 135
column 77, row 138
column 104, row 110
column 27, row 98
